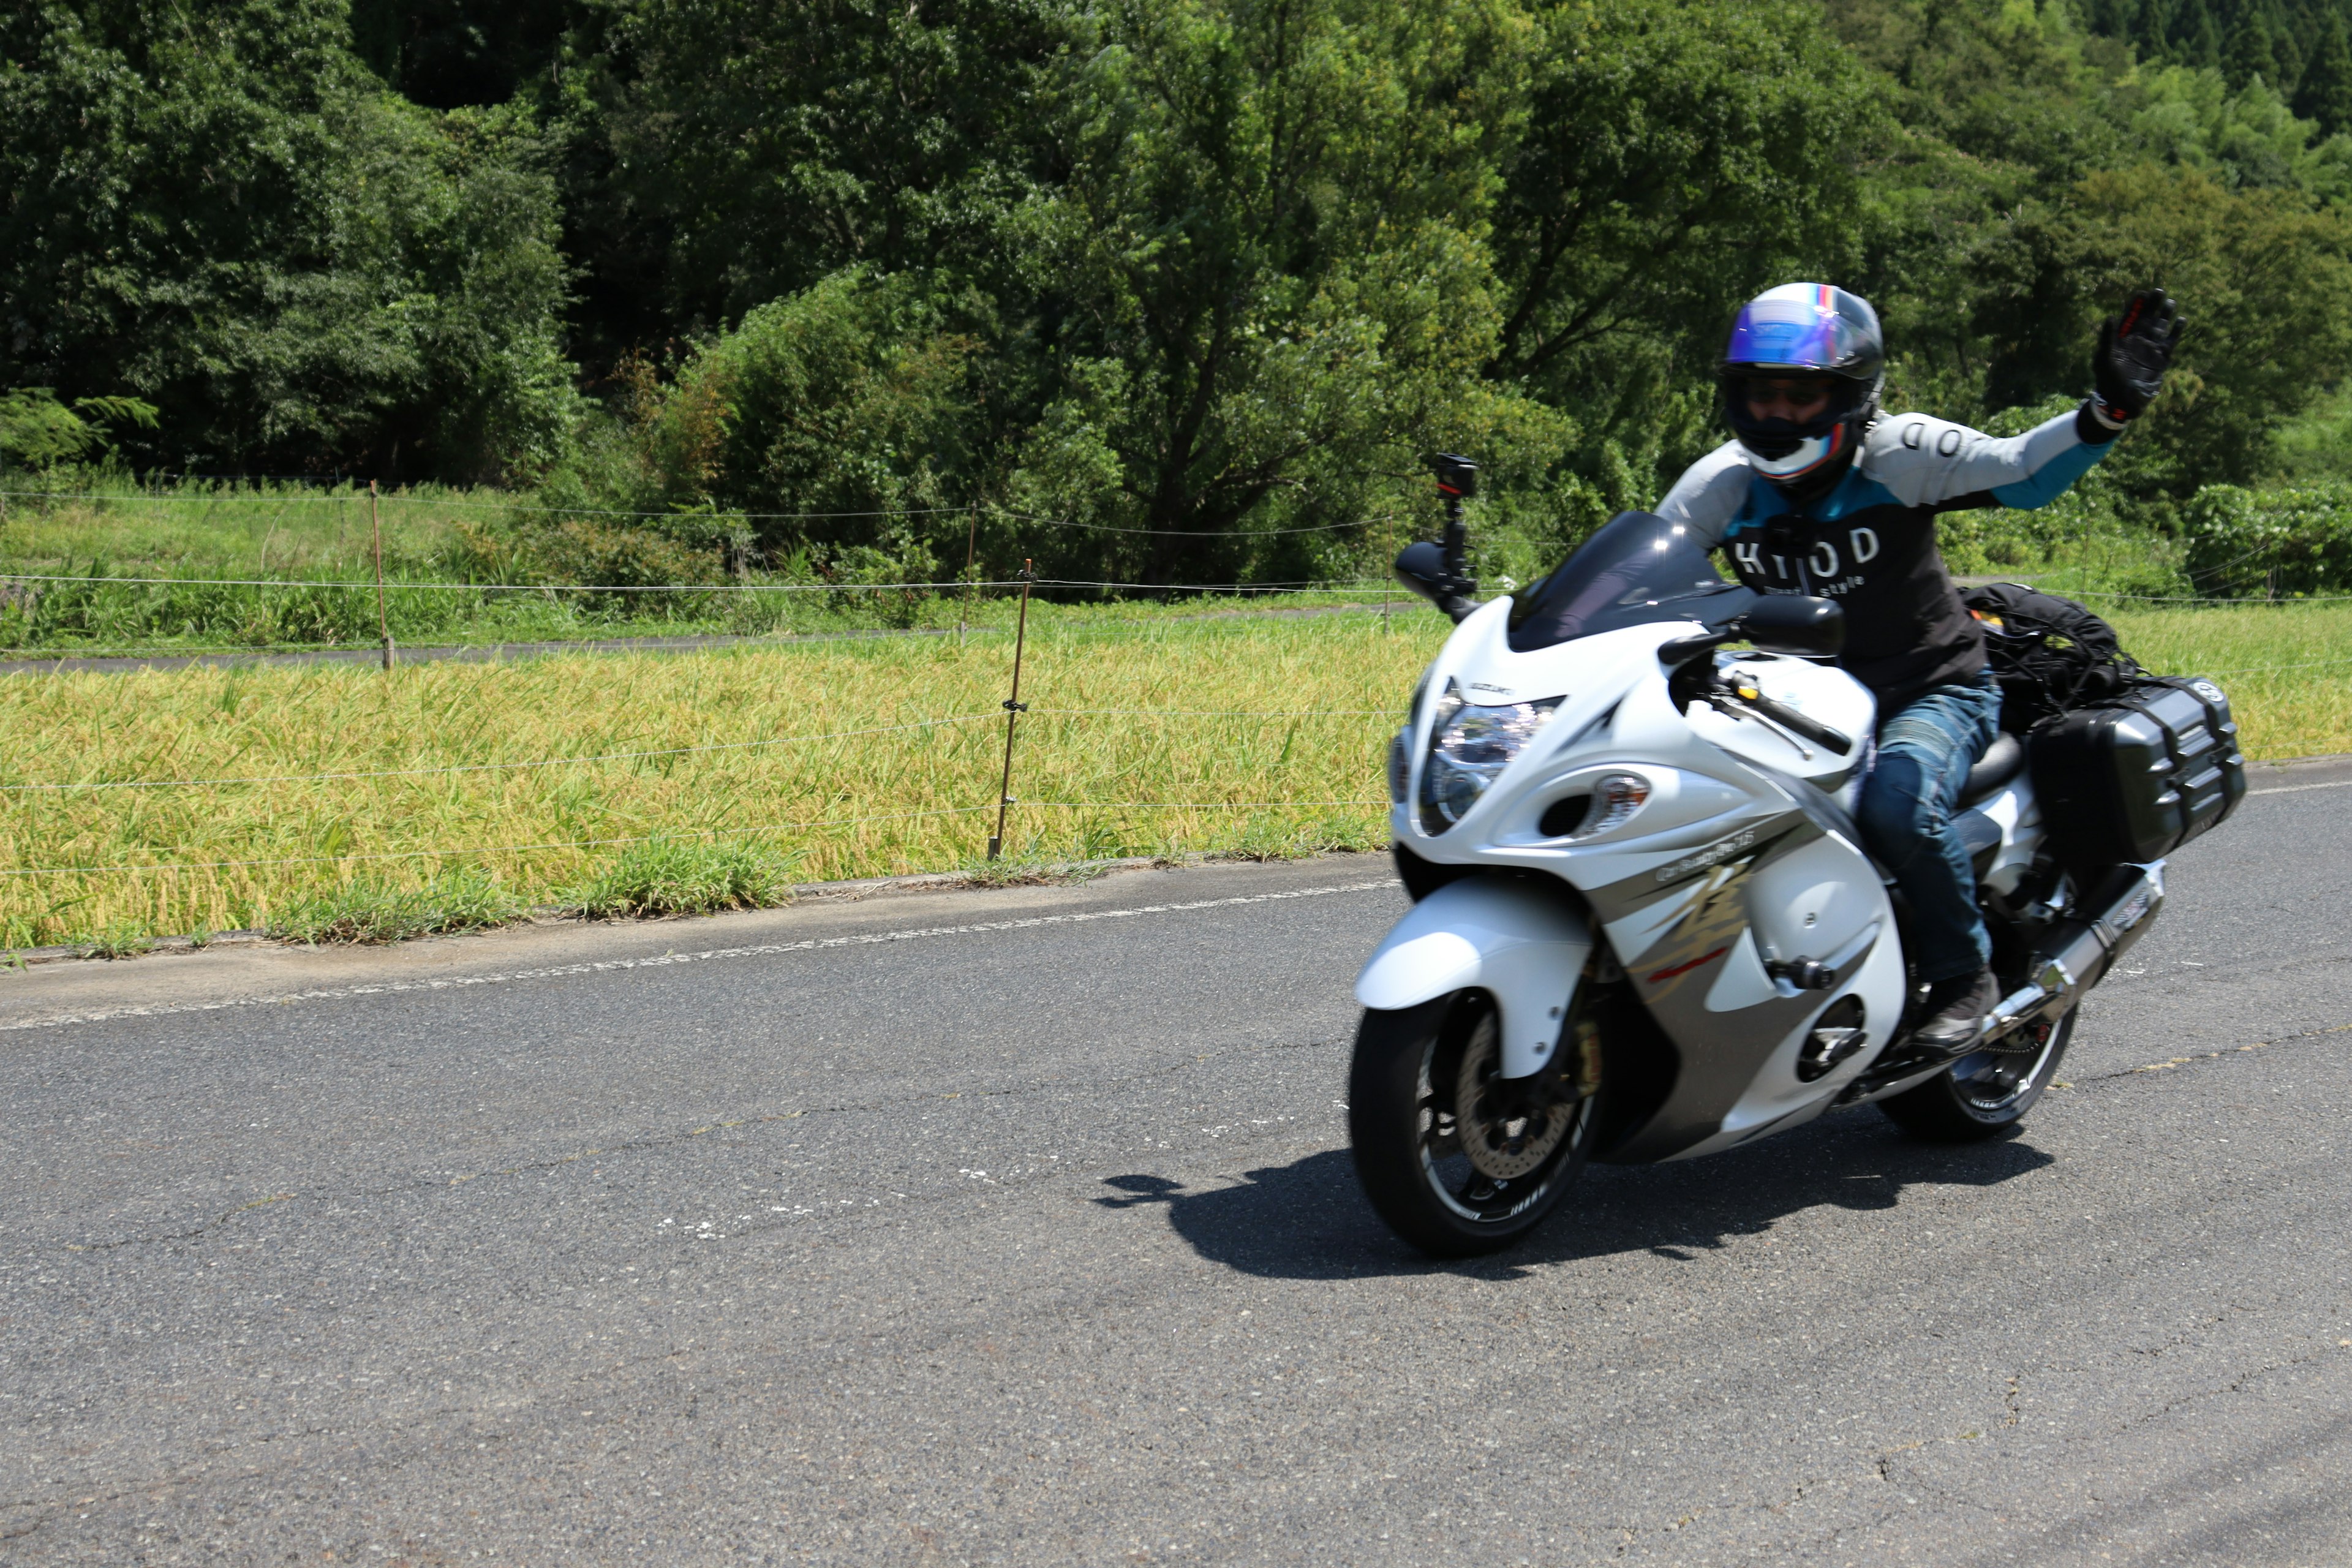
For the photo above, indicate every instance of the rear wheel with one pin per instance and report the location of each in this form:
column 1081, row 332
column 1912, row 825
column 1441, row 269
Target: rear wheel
column 1458, row 1159
column 1985, row 1092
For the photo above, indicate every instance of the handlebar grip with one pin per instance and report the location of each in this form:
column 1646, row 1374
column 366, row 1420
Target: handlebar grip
column 1812, row 730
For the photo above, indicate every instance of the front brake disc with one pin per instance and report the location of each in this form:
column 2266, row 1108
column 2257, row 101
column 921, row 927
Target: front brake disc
column 1504, row 1130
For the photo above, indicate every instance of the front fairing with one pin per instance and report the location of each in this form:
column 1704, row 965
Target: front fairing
column 1729, row 871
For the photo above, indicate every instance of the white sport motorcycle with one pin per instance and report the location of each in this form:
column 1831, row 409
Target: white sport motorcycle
column 1646, row 926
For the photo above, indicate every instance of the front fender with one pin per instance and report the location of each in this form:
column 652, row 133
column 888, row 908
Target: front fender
column 1521, row 944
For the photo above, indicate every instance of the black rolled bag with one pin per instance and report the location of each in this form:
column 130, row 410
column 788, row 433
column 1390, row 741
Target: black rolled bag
column 2127, row 766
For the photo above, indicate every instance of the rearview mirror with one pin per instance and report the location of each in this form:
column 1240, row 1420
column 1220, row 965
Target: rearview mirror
column 1796, row 624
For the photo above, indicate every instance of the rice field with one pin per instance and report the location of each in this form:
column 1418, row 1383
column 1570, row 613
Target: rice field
column 196, row 800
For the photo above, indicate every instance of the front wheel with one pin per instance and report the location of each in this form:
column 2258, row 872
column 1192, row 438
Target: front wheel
column 1985, row 1093
column 1458, row 1159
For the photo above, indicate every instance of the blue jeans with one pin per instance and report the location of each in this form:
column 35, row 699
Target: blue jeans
column 1925, row 752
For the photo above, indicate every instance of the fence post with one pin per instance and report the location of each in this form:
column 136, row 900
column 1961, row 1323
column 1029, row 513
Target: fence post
column 971, row 544
column 1014, row 708
column 1388, row 575
column 382, row 621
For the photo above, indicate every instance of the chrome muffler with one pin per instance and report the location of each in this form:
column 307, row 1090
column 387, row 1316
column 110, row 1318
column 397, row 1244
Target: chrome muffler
column 2074, row 954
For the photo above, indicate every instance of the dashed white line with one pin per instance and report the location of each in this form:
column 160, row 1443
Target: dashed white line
column 2298, row 789
column 763, row 949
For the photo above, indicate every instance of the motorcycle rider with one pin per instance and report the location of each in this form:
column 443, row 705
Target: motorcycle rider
column 1819, row 492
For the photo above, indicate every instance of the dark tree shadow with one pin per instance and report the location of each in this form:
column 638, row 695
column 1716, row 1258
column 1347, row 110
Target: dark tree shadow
column 1309, row 1220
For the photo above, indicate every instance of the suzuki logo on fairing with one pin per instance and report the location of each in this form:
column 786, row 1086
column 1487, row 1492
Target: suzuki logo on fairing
column 1712, row 855
column 1497, row 691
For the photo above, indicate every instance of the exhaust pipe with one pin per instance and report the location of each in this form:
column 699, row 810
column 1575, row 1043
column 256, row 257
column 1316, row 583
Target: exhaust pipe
column 2074, row 955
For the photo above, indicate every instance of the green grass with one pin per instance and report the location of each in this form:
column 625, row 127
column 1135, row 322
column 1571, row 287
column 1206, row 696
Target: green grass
column 685, row 782
column 478, row 568
column 371, row 911
column 670, row 791
column 692, row 877
column 861, row 758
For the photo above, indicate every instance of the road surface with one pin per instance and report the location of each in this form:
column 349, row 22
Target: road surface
column 1019, row 1227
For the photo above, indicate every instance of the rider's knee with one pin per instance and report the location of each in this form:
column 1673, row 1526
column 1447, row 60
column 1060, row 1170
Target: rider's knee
column 1897, row 806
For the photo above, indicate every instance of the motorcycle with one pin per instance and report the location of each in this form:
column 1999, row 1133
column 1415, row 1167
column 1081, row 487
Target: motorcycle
column 1644, row 925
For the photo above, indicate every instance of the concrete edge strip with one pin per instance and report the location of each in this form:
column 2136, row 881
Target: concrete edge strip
column 761, row 950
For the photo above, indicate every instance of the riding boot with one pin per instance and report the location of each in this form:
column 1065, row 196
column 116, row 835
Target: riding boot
column 1956, row 1013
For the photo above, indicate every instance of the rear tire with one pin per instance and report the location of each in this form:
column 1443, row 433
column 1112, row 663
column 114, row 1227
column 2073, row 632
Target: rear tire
column 1409, row 1144
column 1983, row 1094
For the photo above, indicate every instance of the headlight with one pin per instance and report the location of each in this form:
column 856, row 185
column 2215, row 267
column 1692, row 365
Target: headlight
column 1469, row 747
column 1400, row 763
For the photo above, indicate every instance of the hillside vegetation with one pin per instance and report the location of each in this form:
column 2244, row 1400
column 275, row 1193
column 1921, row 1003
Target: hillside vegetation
column 1204, row 278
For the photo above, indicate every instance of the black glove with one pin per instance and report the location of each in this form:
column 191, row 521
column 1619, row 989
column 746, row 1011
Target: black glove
column 2127, row 372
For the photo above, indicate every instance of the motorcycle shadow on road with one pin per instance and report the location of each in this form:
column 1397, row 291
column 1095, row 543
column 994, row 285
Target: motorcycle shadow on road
column 1308, row 1219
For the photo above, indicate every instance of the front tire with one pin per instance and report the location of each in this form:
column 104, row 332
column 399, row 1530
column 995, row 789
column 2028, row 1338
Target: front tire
column 1985, row 1093
column 1417, row 1071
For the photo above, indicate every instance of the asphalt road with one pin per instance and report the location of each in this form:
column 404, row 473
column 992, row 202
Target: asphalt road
column 1019, row 1227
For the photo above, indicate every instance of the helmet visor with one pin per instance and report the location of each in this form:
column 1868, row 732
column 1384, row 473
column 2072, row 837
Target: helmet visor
column 1802, row 333
column 1802, row 400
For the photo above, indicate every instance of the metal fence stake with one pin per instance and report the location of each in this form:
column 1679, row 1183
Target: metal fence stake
column 1014, row 708
column 382, row 622
column 971, row 544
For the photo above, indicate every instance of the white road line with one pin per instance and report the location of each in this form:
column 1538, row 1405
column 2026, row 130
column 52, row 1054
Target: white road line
column 762, row 950
column 2298, row 789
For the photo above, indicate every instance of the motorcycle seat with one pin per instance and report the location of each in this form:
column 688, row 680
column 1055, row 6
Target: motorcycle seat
column 2002, row 761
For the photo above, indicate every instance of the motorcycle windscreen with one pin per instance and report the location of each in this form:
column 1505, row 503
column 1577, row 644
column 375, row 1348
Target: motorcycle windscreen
column 1638, row 568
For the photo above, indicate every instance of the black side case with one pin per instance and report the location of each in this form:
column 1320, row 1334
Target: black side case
column 2135, row 776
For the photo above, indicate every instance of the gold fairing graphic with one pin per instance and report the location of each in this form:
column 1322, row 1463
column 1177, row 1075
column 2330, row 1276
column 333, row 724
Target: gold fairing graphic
column 1721, row 1052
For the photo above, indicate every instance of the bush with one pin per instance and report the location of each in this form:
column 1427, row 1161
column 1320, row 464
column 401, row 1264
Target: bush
column 2245, row 542
column 365, row 911
column 847, row 398
column 673, row 877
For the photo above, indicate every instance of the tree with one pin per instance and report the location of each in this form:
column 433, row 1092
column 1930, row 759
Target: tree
column 2324, row 94
column 1264, row 278
column 2197, row 42
column 2264, row 284
column 1671, row 161
column 220, row 212
column 450, row 54
column 2250, row 54
column 36, row 430
column 844, row 402
column 757, row 148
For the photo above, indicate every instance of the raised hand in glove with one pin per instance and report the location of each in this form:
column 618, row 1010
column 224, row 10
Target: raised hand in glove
column 2127, row 370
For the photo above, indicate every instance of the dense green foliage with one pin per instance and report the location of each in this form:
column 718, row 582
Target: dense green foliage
column 2279, row 543
column 1198, row 280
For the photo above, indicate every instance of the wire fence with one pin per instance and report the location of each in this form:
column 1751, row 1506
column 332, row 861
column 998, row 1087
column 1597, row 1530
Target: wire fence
column 456, row 504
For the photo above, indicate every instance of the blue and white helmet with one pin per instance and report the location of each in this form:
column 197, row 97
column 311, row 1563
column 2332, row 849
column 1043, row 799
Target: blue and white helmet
column 1804, row 330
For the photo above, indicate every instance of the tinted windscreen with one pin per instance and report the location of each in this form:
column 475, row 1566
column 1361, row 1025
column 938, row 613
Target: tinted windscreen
column 1638, row 568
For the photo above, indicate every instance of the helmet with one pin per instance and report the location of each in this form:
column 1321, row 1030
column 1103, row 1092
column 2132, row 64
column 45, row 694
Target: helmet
column 1804, row 330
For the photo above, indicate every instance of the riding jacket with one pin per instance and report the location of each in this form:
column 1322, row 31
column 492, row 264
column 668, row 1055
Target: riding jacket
column 1870, row 542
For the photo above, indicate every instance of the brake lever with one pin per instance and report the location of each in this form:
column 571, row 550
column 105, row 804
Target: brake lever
column 1783, row 717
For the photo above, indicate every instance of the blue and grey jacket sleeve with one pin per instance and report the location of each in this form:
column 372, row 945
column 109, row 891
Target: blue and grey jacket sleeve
column 1711, row 494
column 1934, row 462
